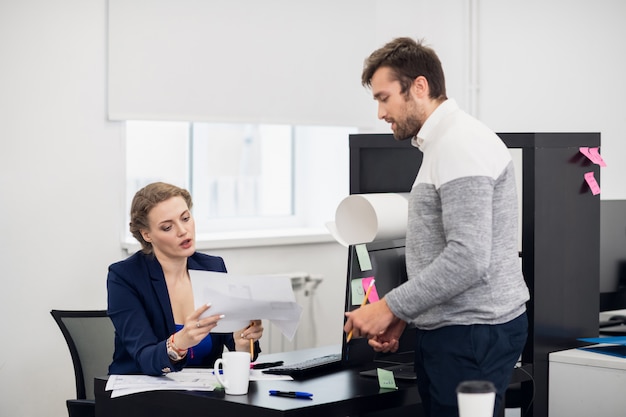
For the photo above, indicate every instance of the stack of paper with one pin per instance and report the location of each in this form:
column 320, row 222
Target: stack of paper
column 197, row 380
column 189, row 379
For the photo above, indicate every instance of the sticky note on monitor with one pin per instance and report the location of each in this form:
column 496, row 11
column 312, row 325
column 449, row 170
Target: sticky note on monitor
column 358, row 289
column 373, row 297
column 357, row 292
column 364, row 257
column 386, row 379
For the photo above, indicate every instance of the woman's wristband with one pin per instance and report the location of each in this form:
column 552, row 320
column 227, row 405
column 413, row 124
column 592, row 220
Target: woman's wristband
column 180, row 351
column 173, row 352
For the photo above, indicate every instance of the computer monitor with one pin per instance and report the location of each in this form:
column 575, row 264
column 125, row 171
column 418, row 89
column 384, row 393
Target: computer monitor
column 385, row 262
column 612, row 255
column 381, row 164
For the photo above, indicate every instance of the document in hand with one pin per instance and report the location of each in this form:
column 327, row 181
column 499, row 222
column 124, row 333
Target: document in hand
column 243, row 298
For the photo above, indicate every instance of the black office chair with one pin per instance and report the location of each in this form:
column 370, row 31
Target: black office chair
column 90, row 337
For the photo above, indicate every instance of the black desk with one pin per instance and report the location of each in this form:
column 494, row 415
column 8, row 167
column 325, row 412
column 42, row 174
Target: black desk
column 340, row 393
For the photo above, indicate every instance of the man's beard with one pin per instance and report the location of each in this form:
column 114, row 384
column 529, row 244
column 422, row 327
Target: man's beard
column 407, row 129
column 411, row 124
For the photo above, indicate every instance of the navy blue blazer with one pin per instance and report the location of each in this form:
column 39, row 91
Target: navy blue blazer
column 139, row 307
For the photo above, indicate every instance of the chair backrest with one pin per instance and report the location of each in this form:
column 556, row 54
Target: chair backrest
column 90, row 336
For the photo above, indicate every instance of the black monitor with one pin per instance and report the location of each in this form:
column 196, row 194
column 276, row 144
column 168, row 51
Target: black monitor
column 381, row 164
column 612, row 255
column 388, row 268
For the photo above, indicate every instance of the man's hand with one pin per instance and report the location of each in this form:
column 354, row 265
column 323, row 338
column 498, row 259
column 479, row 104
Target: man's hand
column 389, row 340
column 376, row 322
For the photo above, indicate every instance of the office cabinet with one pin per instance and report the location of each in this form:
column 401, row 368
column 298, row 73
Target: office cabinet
column 586, row 384
column 560, row 249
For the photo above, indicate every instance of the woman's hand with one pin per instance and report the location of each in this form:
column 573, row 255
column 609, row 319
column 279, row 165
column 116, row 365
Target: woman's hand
column 245, row 336
column 195, row 328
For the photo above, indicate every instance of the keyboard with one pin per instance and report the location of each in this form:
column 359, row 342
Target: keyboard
column 305, row 367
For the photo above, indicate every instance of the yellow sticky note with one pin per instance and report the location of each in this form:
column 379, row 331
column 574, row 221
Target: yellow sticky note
column 386, row 379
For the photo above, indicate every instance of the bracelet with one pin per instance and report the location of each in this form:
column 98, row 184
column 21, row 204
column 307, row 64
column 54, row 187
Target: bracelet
column 174, row 353
column 180, row 351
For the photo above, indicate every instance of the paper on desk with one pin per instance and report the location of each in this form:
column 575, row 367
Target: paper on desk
column 189, row 379
column 197, row 380
column 243, row 298
column 258, row 375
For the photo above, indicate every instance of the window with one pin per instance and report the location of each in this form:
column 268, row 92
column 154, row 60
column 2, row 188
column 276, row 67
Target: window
column 244, row 176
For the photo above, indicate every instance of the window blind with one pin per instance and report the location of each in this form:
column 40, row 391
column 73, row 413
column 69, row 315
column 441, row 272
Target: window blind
column 271, row 61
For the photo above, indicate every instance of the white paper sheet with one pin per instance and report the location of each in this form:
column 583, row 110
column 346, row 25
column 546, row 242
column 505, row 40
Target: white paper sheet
column 192, row 379
column 243, row 298
column 186, row 380
column 363, row 218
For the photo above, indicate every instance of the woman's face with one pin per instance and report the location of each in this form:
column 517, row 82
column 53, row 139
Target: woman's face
column 172, row 229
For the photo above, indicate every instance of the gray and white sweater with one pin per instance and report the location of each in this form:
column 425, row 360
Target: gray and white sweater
column 461, row 244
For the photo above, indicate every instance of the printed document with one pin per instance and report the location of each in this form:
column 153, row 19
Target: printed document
column 243, row 298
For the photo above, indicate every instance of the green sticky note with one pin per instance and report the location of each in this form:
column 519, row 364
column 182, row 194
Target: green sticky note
column 386, row 379
column 364, row 258
column 357, row 292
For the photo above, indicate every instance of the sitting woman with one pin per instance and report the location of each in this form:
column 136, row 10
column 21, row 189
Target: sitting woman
column 150, row 299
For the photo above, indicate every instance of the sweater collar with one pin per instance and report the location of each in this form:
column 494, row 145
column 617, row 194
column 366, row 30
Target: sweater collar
column 447, row 107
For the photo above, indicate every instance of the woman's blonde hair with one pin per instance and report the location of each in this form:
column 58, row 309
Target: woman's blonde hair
column 145, row 200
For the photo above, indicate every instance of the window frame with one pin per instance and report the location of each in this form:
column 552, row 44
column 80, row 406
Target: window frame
column 303, row 226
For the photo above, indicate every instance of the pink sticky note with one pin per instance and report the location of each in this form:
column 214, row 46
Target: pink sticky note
column 585, row 151
column 596, row 158
column 591, row 181
column 373, row 297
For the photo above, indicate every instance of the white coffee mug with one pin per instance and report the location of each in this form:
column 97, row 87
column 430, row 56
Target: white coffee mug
column 476, row 398
column 234, row 373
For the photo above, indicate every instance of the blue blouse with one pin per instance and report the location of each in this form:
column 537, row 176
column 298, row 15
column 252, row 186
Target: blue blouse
column 196, row 354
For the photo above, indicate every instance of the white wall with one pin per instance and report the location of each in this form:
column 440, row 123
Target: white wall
column 62, row 169
column 324, row 260
column 61, row 179
column 557, row 66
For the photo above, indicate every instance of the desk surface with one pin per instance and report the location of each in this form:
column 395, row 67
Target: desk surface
column 588, row 358
column 340, row 393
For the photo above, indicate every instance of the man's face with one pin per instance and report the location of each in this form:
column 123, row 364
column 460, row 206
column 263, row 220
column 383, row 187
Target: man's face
column 401, row 110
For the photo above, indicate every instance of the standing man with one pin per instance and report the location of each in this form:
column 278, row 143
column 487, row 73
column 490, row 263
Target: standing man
column 465, row 293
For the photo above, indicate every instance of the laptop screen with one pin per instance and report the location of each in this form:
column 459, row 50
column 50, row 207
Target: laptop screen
column 383, row 261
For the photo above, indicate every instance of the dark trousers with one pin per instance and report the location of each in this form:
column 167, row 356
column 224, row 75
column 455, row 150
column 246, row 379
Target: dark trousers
column 450, row 355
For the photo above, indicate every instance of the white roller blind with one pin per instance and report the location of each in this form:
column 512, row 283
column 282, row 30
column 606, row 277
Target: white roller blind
column 271, row 61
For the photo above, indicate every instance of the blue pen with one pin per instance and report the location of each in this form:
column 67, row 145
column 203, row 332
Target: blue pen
column 291, row 394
